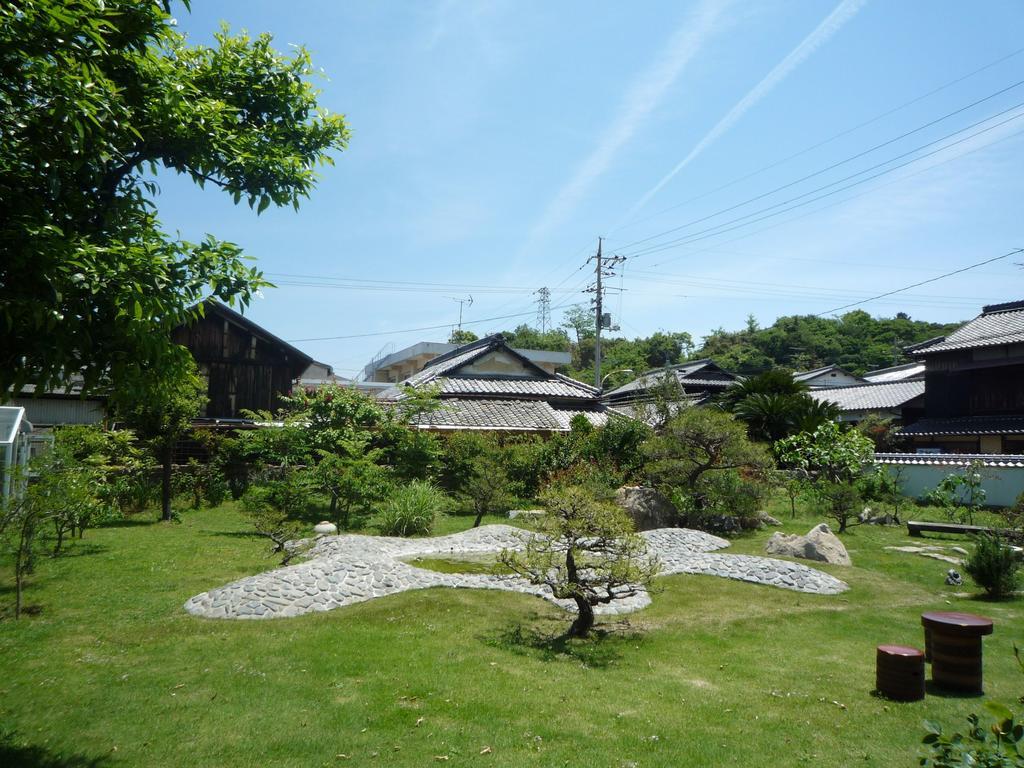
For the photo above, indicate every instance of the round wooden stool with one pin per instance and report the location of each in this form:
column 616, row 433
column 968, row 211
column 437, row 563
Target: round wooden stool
column 899, row 672
column 953, row 646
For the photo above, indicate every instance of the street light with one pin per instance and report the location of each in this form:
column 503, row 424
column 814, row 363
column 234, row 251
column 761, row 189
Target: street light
column 605, row 377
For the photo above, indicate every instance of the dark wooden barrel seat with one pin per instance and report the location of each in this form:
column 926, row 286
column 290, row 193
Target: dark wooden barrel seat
column 953, row 646
column 899, row 672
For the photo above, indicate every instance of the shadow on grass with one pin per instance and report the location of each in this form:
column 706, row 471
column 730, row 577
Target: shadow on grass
column 80, row 548
column 931, row 688
column 136, row 521
column 603, row 648
column 32, row 756
column 234, row 534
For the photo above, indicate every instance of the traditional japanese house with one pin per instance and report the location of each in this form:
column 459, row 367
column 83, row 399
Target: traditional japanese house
column 246, row 366
column 974, row 393
column 488, row 386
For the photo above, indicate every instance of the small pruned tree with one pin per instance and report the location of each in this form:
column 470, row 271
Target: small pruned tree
column 21, row 522
column 486, row 488
column 353, row 480
column 960, row 494
column 274, row 507
column 693, row 447
column 586, row 551
column 161, row 405
column 994, row 565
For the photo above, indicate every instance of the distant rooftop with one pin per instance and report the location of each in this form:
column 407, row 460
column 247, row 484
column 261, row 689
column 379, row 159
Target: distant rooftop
column 997, row 324
column 427, row 351
column 895, row 373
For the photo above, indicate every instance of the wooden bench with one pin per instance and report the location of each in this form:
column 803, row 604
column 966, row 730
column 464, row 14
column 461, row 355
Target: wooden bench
column 916, row 528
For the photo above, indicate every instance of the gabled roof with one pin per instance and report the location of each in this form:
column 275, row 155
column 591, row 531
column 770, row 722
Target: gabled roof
column 805, row 376
column 506, row 415
column 445, row 372
column 870, row 397
column 895, row 373
column 215, row 307
column 997, row 324
column 694, row 373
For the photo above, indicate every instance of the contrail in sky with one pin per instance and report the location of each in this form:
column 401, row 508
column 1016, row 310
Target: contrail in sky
column 643, row 96
column 835, row 21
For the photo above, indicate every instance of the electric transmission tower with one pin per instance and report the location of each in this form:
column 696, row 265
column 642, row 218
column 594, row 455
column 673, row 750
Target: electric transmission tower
column 543, row 308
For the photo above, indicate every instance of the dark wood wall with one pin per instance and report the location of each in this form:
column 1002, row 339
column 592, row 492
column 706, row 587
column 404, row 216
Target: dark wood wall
column 244, row 371
column 975, row 391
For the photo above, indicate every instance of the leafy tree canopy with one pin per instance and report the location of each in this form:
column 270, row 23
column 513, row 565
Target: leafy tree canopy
column 95, row 98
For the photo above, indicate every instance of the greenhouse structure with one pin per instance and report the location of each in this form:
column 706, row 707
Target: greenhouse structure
column 16, row 445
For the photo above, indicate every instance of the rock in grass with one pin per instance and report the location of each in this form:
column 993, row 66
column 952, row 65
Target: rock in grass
column 819, row 544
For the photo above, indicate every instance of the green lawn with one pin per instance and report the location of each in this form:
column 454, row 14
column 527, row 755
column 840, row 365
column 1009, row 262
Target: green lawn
column 111, row 671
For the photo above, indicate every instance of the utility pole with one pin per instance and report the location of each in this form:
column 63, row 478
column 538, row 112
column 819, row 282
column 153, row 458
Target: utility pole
column 602, row 269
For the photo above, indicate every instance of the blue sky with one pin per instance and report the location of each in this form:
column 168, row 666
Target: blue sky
column 493, row 142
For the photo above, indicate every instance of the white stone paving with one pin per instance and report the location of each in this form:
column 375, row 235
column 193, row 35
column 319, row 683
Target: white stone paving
column 348, row 569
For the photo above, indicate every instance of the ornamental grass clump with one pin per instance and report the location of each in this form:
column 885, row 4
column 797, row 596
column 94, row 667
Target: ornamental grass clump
column 411, row 509
column 994, row 565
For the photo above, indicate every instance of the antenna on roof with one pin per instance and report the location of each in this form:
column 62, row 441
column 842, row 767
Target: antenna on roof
column 468, row 301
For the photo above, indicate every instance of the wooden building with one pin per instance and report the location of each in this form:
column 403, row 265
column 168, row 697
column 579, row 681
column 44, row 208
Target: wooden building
column 974, row 386
column 246, row 367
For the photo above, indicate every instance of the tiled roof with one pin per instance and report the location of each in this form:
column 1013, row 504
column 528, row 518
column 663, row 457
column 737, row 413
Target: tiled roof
column 896, row 373
column 999, row 324
column 685, row 374
column 870, row 397
column 514, row 387
column 968, row 425
column 951, row 459
column 505, row 415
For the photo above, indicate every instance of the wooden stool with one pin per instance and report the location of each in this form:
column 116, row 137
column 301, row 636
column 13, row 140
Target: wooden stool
column 953, row 646
column 899, row 672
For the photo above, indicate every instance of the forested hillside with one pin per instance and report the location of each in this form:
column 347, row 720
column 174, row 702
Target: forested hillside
column 857, row 341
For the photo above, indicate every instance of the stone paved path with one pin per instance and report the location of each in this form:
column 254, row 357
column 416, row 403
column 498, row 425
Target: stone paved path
column 342, row 570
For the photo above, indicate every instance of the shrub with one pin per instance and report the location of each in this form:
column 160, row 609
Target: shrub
column 993, row 565
column 411, row 509
column 998, row 746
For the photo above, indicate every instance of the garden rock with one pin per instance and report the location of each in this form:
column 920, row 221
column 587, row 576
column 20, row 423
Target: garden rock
column 648, row 508
column 953, row 578
column 765, row 519
column 868, row 517
column 529, row 514
column 324, row 528
column 819, row 544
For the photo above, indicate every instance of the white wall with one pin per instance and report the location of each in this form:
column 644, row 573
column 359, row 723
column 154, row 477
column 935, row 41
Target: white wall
column 1002, row 484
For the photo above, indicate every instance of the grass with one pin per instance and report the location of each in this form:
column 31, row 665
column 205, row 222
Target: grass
column 112, row 672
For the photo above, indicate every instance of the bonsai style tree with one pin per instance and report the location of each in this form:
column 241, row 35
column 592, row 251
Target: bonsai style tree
column 586, row 551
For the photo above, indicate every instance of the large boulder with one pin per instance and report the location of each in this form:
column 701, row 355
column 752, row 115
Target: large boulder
column 819, row 544
column 648, row 508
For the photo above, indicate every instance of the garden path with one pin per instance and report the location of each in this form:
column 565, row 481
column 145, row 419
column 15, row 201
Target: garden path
column 342, row 570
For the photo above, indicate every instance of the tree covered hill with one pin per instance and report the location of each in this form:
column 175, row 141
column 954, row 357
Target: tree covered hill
column 857, row 341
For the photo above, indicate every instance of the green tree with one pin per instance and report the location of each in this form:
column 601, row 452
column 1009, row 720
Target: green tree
column 586, row 551
column 692, row 448
column 96, row 96
column 22, row 519
column 526, row 337
column 460, row 336
column 486, row 488
column 352, row 479
column 160, row 406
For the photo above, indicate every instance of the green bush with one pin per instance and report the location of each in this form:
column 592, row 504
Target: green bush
column 289, row 493
column 411, row 509
column 998, row 746
column 993, row 565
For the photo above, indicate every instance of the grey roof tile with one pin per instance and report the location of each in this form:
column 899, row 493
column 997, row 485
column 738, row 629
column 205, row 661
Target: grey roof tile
column 989, row 329
column 867, row 397
column 968, row 425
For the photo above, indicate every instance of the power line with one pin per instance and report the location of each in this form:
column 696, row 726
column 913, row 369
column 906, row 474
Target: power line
column 422, row 328
column 829, row 140
column 725, row 226
column 835, row 203
column 835, row 165
column 1014, row 252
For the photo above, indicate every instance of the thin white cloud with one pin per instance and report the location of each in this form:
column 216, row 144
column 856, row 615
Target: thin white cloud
column 832, row 23
column 643, row 96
